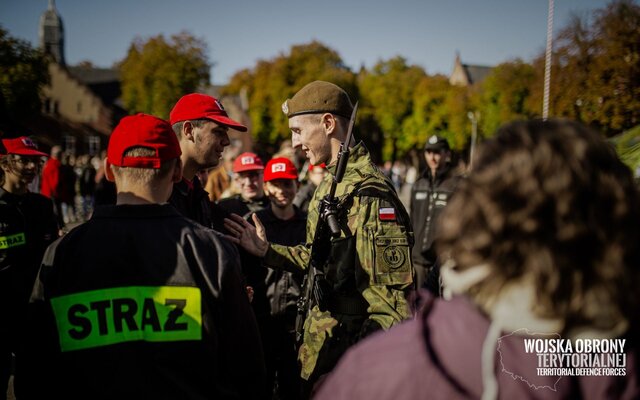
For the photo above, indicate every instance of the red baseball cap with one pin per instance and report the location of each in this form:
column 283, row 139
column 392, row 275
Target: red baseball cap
column 22, row 146
column 247, row 162
column 200, row 106
column 280, row 168
column 142, row 130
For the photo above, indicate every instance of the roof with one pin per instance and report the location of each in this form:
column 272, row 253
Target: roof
column 92, row 75
column 103, row 82
column 476, row 73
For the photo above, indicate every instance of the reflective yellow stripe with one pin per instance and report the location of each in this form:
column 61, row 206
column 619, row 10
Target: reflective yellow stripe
column 12, row 241
column 125, row 314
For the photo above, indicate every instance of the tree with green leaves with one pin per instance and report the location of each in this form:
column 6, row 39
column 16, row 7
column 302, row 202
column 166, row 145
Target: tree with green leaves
column 157, row 72
column 23, row 73
column 273, row 81
column 428, row 116
column 388, row 90
column 616, row 71
column 503, row 94
column 595, row 76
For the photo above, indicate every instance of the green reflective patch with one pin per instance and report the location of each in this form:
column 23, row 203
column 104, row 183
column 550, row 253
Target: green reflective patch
column 126, row 314
column 12, row 241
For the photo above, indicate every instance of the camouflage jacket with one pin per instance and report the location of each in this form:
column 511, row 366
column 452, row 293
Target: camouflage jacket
column 381, row 273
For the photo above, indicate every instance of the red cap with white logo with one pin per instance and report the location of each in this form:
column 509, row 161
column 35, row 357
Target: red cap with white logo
column 247, row 162
column 280, row 168
column 22, row 146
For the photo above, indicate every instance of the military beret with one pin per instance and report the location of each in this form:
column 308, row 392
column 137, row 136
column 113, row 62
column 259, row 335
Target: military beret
column 319, row 97
column 436, row 143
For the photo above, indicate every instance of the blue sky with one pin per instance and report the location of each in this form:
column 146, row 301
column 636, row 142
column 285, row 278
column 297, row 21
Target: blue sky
column 240, row 32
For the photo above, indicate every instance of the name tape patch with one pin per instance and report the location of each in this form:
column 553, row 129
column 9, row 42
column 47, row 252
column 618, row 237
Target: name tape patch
column 149, row 313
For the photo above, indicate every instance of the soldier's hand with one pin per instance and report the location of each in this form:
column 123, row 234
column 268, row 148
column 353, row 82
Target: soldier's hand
column 251, row 238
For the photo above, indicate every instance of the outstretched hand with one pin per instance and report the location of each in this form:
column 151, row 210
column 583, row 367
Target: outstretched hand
column 251, row 238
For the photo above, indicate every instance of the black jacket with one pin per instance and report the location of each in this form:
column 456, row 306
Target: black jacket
column 304, row 196
column 429, row 195
column 283, row 288
column 140, row 302
column 237, row 205
column 27, row 227
column 192, row 201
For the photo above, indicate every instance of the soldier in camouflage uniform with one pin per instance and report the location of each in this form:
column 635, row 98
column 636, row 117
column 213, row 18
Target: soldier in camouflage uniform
column 369, row 267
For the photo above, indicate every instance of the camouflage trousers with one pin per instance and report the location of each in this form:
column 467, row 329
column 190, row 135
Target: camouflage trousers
column 326, row 339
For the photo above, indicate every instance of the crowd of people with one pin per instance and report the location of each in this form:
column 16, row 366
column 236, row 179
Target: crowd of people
column 179, row 277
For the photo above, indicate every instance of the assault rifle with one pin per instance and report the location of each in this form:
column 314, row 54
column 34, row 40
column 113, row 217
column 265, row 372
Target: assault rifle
column 315, row 287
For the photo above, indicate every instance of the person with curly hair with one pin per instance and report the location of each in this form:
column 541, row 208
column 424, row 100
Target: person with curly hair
column 541, row 241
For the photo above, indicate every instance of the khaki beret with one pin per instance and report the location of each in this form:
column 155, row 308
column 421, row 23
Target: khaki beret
column 319, row 97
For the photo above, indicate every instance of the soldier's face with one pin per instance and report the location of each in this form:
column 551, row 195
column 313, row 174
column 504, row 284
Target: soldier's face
column 210, row 141
column 308, row 133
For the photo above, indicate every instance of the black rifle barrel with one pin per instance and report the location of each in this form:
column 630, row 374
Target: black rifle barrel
column 343, row 155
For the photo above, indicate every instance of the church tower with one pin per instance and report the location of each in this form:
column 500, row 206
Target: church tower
column 51, row 33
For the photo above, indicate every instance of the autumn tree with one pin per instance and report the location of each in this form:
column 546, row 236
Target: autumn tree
column 616, row 72
column 595, row 75
column 157, row 72
column 23, row 73
column 503, row 94
column 273, row 81
column 428, row 116
column 388, row 91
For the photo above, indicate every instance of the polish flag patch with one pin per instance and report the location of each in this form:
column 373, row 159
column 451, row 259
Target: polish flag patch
column 387, row 214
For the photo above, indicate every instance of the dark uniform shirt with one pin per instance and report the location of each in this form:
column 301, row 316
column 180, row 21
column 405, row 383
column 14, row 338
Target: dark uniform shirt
column 429, row 196
column 283, row 287
column 276, row 293
column 238, row 205
column 192, row 201
column 304, row 196
column 27, row 227
column 140, row 302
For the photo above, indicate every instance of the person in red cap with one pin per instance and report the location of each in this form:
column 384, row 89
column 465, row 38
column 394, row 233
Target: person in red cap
column 248, row 177
column 140, row 302
column 52, row 183
column 201, row 124
column 277, row 291
column 27, row 227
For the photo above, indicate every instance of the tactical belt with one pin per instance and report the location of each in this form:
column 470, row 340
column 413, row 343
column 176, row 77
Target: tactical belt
column 347, row 305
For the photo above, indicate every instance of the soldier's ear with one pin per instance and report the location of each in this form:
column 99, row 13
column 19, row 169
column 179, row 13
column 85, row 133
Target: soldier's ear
column 329, row 123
